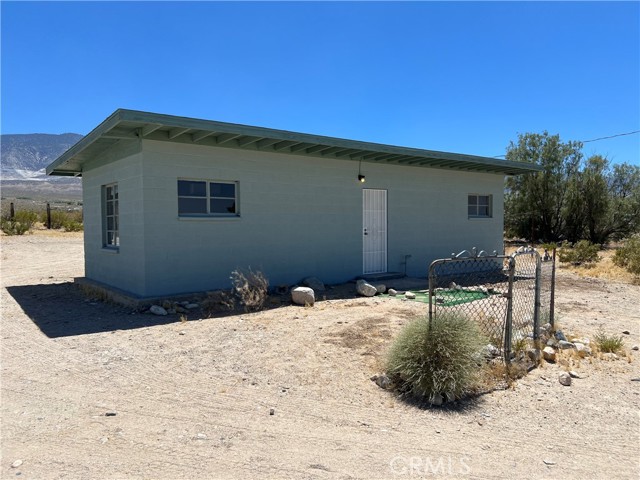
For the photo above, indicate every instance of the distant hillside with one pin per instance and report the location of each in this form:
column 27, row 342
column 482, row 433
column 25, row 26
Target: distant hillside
column 25, row 156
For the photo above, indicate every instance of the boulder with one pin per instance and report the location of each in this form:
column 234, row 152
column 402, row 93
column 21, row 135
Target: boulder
column 303, row 296
column 157, row 310
column 314, row 283
column 549, row 354
column 410, row 295
column 392, row 292
column 380, row 288
column 365, row 289
column 565, row 379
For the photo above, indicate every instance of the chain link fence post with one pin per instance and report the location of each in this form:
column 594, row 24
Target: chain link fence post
column 508, row 325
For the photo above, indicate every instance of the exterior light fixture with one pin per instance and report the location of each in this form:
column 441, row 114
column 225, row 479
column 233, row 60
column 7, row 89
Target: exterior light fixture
column 360, row 176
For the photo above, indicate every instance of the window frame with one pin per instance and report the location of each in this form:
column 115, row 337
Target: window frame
column 477, row 205
column 208, row 197
column 115, row 215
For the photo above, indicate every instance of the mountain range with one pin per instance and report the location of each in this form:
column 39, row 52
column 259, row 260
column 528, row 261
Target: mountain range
column 25, row 156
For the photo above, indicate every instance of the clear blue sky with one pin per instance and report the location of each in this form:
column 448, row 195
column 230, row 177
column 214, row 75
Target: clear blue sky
column 463, row 77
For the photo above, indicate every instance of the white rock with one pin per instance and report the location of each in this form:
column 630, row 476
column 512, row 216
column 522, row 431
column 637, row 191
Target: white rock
column 380, row 288
column 549, row 354
column 574, row 374
column 366, row 289
column 16, row 464
column 157, row 310
column 392, row 292
column 314, row 283
column 565, row 379
column 563, row 344
column 491, row 351
column 303, row 296
column 410, row 295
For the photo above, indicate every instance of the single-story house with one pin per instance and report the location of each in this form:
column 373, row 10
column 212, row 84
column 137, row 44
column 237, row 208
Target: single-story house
column 173, row 205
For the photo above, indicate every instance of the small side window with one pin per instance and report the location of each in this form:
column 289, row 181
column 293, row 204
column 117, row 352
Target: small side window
column 110, row 216
column 207, row 198
column 479, row 206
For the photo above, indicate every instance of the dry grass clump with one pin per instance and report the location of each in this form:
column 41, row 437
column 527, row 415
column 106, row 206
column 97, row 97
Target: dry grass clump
column 250, row 288
column 443, row 359
column 607, row 343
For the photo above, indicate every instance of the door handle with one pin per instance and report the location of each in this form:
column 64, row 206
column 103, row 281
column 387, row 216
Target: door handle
column 365, row 232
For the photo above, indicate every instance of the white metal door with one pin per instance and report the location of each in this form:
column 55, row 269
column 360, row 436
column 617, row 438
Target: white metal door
column 374, row 231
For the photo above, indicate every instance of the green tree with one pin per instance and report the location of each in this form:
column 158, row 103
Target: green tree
column 535, row 204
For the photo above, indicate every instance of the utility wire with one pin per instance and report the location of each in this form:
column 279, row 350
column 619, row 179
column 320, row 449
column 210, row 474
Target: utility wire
column 594, row 139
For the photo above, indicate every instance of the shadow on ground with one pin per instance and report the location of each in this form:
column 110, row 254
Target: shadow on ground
column 60, row 310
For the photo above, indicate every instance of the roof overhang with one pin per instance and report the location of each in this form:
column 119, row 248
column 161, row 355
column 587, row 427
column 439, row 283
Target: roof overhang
column 131, row 125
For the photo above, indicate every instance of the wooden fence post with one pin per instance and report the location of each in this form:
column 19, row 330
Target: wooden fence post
column 48, row 216
column 12, row 212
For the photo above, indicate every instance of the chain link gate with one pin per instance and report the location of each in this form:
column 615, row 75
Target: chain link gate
column 500, row 292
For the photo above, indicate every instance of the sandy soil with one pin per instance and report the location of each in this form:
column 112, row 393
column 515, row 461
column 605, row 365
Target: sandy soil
column 285, row 393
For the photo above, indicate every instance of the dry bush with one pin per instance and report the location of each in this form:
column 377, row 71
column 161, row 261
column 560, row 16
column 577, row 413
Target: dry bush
column 251, row 289
column 20, row 224
column 443, row 358
column 628, row 256
column 607, row 343
column 583, row 252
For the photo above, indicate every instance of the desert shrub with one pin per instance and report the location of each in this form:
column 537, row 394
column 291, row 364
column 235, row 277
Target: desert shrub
column 21, row 223
column 441, row 359
column 71, row 221
column 628, row 256
column 250, row 288
column 607, row 343
column 582, row 252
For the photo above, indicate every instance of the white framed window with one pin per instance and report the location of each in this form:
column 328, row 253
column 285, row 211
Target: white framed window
column 110, row 216
column 214, row 198
column 479, row 206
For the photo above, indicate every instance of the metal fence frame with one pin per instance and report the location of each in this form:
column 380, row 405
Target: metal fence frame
column 524, row 273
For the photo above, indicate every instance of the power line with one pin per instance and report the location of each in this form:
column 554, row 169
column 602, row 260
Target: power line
column 611, row 136
column 594, row 139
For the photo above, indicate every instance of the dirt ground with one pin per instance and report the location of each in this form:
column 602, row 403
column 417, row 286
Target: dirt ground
column 94, row 391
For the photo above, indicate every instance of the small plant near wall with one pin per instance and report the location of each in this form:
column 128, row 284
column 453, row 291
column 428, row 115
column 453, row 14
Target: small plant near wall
column 251, row 289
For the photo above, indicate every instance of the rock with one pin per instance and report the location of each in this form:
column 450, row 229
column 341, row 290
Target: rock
column 609, row 356
column 16, row 464
column 552, row 342
column 166, row 304
column 392, row 292
column 380, row 288
column 491, row 351
column 548, row 462
column 546, row 327
column 200, row 436
column 635, row 347
column 560, row 336
column 303, row 296
column 436, row 399
column 382, row 381
column 409, row 295
column 272, row 411
column 565, row 379
column 549, row 354
column 157, row 310
column 574, row 374
column 191, row 306
column 534, row 355
column 180, row 309
column 171, row 311
column 314, row 283
column 365, row 289
column 626, row 332
column 563, row 344
column 181, row 332
column 110, row 414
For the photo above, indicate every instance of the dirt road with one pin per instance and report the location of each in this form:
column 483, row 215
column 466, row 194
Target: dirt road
column 93, row 391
